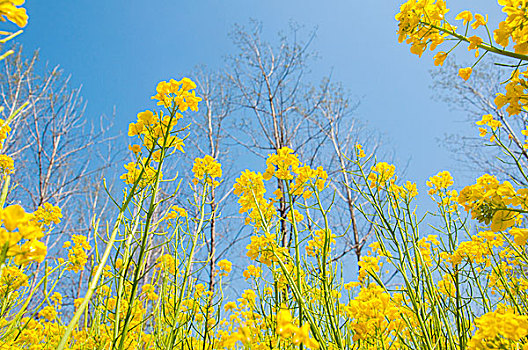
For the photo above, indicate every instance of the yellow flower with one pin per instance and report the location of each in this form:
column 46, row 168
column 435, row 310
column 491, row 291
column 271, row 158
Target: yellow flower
column 208, row 168
column 479, row 21
column 147, row 118
column 12, row 279
column 32, row 250
column 7, row 165
column 56, row 298
column 465, row 73
column 385, row 173
column 439, row 58
column 252, row 271
column 315, row 246
column 474, row 43
column 502, row 220
column 302, row 336
column 12, row 216
column 47, row 213
column 285, row 328
column 48, row 312
column 9, row 10
column 230, row 306
column 417, row 24
column 282, row 164
column 359, row 151
column 466, row 16
column 225, row 267
column 135, row 148
column 77, row 254
column 77, row 303
column 177, row 94
column 148, row 291
column 135, row 128
column 514, row 26
column 167, row 263
column 520, row 235
column 440, row 181
column 503, row 324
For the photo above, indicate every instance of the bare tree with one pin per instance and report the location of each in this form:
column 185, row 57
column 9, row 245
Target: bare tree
column 270, row 83
column 335, row 116
column 59, row 156
column 273, row 84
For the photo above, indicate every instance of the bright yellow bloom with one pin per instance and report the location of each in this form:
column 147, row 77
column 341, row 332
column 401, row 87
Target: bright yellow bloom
column 177, row 94
column 250, row 189
column 225, row 267
column 252, row 272
column 439, row 58
column 465, row 73
column 285, row 328
column 282, row 164
column 56, row 298
column 77, row 254
column 176, row 212
column 47, row 213
column 7, row 165
column 385, row 172
column 474, row 43
column 321, row 239
column 149, row 291
column 230, row 306
column 48, row 312
column 515, row 95
column 208, row 168
column 440, row 181
column 514, row 26
column 417, row 21
column 499, row 327
column 359, row 151
column 466, row 16
column 479, row 21
column 10, row 10
column 12, row 279
column 520, row 235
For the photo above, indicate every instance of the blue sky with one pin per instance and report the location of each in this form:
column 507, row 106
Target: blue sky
column 118, row 50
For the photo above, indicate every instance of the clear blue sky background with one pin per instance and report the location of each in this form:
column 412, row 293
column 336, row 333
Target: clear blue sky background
column 118, row 50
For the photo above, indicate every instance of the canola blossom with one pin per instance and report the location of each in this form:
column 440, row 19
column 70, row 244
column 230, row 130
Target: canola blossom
column 457, row 281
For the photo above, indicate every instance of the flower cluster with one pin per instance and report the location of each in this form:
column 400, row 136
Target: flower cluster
column 7, row 164
column 140, row 172
column 11, row 10
column 207, row 168
column 514, row 26
column 177, row 94
column 381, row 174
column 20, row 236
column 374, row 310
column 47, row 213
column 284, row 165
column 516, row 94
column 264, row 248
column 419, row 23
column 77, row 254
column 250, row 189
column 493, row 124
column 225, row 267
column 287, row 329
column 490, row 202
column 321, row 242
column 499, row 329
